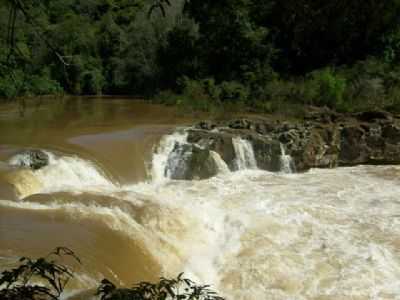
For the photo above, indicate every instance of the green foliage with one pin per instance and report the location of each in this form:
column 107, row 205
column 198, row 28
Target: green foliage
column 233, row 91
column 179, row 55
column 168, row 97
column 258, row 55
column 18, row 283
column 330, row 88
column 16, row 82
column 180, row 289
column 232, row 39
column 206, row 95
column 393, row 100
column 199, row 94
column 391, row 46
column 10, row 83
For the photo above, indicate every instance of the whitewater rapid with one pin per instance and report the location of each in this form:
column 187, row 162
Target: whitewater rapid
column 251, row 234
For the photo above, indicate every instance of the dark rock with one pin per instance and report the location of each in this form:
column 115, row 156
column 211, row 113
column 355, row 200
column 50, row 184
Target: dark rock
column 32, row 158
column 371, row 116
column 322, row 115
column 321, row 149
column 206, row 125
column 190, row 162
column 391, row 133
column 391, row 155
column 353, row 145
column 373, row 137
column 240, row 124
column 325, row 139
column 264, row 128
column 267, row 153
column 220, row 142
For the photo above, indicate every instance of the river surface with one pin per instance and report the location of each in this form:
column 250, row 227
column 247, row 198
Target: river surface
column 251, row 234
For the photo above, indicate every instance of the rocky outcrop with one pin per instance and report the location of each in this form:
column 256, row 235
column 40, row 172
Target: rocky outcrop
column 324, row 139
column 189, row 162
column 32, row 158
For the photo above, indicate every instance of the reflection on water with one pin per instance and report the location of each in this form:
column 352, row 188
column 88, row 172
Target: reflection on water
column 324, row 234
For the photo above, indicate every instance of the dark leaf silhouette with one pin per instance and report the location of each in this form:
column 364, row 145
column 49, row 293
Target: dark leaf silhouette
column 179, row 288
column 18, row 283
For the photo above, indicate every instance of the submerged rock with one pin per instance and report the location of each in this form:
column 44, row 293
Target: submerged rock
column 32, row 158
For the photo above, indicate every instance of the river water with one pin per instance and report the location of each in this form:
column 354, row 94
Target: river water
column 251, row 234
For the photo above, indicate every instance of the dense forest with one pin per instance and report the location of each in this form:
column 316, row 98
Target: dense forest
column 204, row 53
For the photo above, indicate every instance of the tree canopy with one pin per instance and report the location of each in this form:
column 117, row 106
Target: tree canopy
column 141, row 47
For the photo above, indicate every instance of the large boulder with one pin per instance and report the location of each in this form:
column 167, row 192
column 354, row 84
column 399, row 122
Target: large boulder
column 218, row 141
column 374, row 116
column 353, row 146
column 31, row 158
column 190, row 162
column 370, row 143
column 267, row 152
column 316, row 147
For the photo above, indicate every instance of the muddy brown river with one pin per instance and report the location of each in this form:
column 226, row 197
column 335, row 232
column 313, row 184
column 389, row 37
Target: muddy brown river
column 251, row 234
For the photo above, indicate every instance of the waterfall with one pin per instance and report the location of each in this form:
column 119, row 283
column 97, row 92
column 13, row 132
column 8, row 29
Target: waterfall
column 161, row 162
column 62, row 174
column 221, row 164
column 245, row 158
column 286, row 161
column 172, row 158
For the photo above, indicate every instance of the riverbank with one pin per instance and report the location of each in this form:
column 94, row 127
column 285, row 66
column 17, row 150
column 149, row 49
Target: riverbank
column 321, row 139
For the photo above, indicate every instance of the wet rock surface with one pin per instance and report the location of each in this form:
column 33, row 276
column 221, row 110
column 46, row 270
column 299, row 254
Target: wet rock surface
column 31, row 158
column 323, row 139
column 190, row 162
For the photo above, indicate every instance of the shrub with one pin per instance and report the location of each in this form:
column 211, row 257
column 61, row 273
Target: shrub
column 233, row 91
column 180, row 289
column 92, row 82
column 18, row 283
column 18, row 83
column 330, row 86
column 200, row 95
column 168, row 97
column 8, row 89
column 392, row 102
column 391, row 49
column 364, row 93
column 211, row 89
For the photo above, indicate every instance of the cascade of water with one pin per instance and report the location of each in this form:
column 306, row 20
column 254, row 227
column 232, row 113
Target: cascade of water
column 245, row 158
column 162, row 153
column 286, row 161
column 21, row 159
column 63, row 173
column 174, row 150
column 221, row 164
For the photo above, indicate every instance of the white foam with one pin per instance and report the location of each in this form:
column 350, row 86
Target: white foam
column 286, row 161
column 245, row 158
column 162, row 153
column 63, row 173
column 221, row 164
column 253, row 234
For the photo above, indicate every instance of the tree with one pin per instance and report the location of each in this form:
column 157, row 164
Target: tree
column 312, row 34
column 231, row 37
